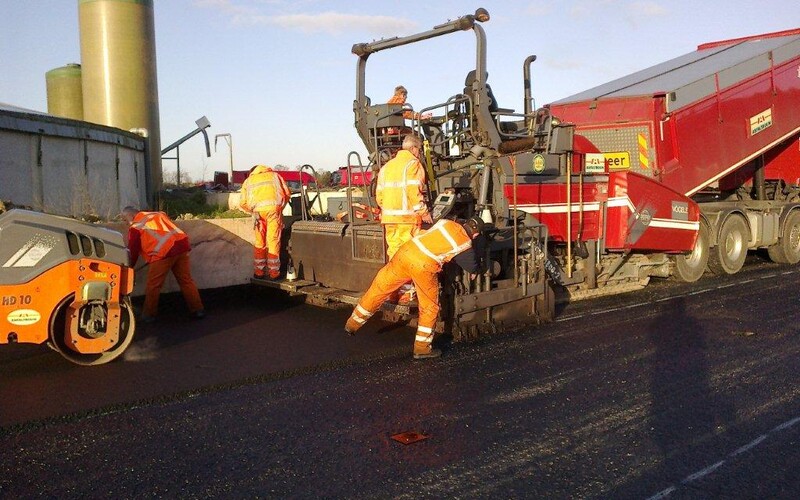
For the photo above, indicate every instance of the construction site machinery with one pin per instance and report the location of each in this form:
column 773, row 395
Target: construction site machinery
column 720, row 125
column 467, row 174
column 667, row 172
column 67, row 283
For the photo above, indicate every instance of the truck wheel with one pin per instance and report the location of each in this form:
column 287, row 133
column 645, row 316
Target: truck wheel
column 787, row 249
column 690, row 267
column 731, row 250
column 127, row 325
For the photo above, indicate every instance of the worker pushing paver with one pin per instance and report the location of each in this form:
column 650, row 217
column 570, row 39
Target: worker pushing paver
column 420, row 260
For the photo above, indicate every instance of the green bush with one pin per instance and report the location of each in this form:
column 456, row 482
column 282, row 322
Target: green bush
column 190, row 203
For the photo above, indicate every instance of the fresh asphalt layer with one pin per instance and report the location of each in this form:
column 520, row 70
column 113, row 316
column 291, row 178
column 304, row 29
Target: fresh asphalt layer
column 677, row 391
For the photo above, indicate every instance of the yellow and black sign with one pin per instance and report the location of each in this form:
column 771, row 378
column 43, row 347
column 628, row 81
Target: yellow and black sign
column 618, row 161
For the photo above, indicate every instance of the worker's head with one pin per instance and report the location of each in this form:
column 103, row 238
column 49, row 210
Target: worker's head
column 400, row 90
column 413, row 144
column 129, row 213
column 255, row 167
column 473, row 227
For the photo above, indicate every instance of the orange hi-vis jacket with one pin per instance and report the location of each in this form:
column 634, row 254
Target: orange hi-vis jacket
column 400, row 190
column 156, row 236
column 443, row 241
column 264, row 190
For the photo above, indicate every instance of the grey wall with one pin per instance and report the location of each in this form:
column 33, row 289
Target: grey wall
column 68, row 167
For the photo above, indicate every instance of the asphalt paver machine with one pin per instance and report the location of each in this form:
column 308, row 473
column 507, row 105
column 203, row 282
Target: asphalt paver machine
column 472, row 150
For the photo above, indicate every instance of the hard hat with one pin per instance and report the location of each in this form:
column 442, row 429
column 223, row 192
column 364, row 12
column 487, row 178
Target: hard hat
column 473, row 225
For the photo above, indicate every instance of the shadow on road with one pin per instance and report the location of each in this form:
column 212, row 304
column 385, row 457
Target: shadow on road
column 687, row 414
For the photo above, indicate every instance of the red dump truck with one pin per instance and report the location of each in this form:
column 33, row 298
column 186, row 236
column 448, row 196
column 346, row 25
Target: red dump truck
column 720, row 125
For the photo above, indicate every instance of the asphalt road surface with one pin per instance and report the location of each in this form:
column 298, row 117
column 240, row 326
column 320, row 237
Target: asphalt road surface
column 676, row 391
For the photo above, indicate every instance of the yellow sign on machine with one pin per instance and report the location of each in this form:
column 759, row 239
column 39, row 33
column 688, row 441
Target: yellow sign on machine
column 618, row 161
column 607, row 162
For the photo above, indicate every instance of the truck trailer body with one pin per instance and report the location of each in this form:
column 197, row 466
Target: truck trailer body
column 720, row 125
column 695, row 120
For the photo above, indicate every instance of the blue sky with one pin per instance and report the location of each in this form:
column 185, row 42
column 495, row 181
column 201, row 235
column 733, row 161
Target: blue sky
column 278, row 75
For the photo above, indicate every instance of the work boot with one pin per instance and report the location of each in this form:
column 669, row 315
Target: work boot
column 259, row 276
column 147, row 320
column 199, row 314
column 351, row 326
column 433, row 353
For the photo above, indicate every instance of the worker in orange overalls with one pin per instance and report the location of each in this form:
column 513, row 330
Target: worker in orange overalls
column 165, row 248
column 400, row 193
column 264, row 194
column 420, row 261
column 399, row 97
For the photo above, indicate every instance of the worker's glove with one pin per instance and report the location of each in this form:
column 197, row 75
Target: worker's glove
column 426, row 218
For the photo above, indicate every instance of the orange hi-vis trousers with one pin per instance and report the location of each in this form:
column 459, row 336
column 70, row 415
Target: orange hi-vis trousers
column 180, row 267
column 267, row 243
column 407, row 264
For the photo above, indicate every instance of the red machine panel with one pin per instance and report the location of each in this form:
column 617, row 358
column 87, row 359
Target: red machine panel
column 646, row 215
column 629, row 211
column 548, row 203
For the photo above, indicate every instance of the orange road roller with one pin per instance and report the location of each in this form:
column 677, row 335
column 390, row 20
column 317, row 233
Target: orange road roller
column 67, row 283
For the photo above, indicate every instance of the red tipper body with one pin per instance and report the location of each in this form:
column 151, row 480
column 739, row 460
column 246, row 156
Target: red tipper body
column 696, row 120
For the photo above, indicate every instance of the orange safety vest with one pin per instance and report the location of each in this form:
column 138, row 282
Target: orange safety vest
column 158, row 234
column 443, row 241
column 399, row 190
column 264, row 189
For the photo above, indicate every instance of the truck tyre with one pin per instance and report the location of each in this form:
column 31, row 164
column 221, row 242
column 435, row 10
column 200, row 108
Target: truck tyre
column 731, row 250
column 690, row 267
column 787, row 249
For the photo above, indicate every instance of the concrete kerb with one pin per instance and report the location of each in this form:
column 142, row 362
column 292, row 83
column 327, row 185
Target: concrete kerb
column 221, row 256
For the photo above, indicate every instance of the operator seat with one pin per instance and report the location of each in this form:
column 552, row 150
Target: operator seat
column 470, row 79
column 506, row 127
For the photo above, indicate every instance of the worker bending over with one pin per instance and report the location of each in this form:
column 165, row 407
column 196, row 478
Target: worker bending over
column 420, row 261
column 165, row 248
column 264, row 194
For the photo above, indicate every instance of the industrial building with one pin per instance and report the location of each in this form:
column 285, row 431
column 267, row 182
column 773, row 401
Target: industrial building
column 69, row 167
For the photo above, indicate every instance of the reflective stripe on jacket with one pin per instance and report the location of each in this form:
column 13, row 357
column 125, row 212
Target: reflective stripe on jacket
column 400, row 190
column 157, row 235
column 443, row 241
column 264, row 189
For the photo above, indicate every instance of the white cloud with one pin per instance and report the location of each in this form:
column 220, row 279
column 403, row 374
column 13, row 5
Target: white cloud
column 336, row 23
column 644, row 9
column 648, row 9
column 539, row 9
column 579, row 11
column 226, row 7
